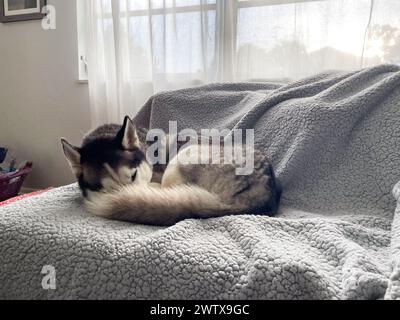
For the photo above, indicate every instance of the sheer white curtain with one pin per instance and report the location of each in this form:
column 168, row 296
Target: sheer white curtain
column 136, row 48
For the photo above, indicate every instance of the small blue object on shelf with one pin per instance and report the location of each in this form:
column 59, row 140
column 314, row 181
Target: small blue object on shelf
column 3, row 153
column 7, row 166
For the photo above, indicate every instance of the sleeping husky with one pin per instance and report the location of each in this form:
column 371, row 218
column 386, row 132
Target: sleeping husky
column 118, row 181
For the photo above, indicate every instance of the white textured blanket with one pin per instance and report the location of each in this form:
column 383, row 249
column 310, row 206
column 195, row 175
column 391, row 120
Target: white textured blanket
column 334, row 142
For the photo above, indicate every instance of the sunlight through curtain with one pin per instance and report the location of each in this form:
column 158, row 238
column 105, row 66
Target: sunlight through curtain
column 138, row 48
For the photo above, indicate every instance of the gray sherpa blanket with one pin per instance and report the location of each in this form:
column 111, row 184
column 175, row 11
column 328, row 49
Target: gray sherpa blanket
column 334, row 141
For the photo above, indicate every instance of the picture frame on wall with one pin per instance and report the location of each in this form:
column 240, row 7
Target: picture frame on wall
column 21, row 10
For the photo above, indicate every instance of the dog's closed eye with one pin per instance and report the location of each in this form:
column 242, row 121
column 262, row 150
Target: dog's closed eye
column 134, row 176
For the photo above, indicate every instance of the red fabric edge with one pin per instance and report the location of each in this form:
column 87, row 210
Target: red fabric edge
column 24, row 196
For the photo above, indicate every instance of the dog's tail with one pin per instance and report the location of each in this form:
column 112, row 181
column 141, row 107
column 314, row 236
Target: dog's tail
column 157, row 206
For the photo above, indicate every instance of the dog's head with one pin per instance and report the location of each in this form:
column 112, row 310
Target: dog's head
column 105, row 162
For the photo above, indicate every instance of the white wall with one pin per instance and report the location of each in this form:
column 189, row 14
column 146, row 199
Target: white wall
column 40, row 99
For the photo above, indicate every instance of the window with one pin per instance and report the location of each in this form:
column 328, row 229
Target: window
column 133, row 49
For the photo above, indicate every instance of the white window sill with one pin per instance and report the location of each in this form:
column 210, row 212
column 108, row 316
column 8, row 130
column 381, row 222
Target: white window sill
column 83, row 81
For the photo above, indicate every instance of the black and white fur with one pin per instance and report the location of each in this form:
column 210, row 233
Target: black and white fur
column 118, row 182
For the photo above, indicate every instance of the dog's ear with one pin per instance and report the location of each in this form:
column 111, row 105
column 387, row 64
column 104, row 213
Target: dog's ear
column 127, row 137
column 73, row 156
